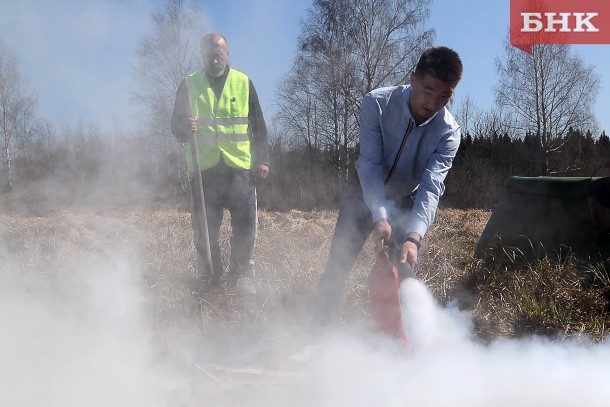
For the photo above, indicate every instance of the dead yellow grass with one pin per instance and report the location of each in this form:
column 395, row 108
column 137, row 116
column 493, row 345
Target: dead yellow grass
column 45, row 254
column 291, row 251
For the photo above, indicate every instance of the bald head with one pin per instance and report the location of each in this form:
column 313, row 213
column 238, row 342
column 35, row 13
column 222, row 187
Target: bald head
column 215, row 53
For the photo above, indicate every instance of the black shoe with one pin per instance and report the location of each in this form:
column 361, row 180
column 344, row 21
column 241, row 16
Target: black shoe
column 213, row 281
column 244, row 287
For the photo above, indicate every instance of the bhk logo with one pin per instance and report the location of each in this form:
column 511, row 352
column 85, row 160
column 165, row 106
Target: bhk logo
column 559, row 22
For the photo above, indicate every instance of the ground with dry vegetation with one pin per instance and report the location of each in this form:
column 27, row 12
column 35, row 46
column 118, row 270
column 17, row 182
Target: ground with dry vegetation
column 507, row 295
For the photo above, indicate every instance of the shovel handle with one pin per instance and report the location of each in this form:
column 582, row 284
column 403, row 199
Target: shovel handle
column 203, row 219
column 203, row 223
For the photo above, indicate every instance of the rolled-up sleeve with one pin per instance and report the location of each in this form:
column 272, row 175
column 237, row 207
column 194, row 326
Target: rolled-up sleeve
column 432, row 184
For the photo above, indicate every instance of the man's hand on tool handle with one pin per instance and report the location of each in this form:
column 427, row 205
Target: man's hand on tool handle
column 190, row 123
column 261, row 171
column 408, row 252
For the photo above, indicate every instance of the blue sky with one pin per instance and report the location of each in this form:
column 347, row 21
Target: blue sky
column 78, row 55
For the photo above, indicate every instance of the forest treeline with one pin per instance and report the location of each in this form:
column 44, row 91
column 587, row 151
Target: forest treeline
column 125, row 164
column 483, row 164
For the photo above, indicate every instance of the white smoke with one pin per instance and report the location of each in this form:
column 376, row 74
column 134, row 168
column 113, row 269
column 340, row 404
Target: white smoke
column 430, row 327
column 87, row 341
column 445, row 366
column 83, row 343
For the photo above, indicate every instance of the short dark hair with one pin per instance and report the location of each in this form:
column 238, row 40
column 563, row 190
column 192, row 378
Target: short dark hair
column 441, row 62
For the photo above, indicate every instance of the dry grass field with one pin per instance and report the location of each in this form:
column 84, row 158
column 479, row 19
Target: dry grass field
column 291, row 251
column 131, row 269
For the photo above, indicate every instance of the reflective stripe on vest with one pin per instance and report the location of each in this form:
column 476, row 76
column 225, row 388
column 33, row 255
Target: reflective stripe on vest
column 223, row 122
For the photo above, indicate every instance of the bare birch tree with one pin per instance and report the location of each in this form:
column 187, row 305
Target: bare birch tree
column 17, row 114
column 547, row 93
column 346, row 49
column 164, row 58
column 466, row 113
column 388, row 37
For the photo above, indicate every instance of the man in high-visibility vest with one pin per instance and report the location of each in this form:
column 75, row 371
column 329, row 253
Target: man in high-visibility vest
column 221, row 106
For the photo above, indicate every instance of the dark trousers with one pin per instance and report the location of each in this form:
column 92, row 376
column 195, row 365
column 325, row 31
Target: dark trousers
column 233, row 189
column 354, row 226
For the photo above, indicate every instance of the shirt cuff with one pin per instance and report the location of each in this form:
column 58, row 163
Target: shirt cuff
column 416, row 225
column 379, row 213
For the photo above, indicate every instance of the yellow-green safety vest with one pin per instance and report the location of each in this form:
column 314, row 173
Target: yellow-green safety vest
column 222, row 123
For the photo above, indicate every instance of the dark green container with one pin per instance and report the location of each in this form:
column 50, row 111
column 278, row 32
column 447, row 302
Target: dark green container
column 599, row 200
column 538, row 215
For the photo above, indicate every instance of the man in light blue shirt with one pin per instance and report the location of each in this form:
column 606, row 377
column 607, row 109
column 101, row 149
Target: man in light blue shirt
column 408, row 140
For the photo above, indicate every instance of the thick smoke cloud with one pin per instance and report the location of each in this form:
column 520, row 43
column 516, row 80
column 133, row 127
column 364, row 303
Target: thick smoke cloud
column 86, row 340
column 82, row 342
column 445, row 366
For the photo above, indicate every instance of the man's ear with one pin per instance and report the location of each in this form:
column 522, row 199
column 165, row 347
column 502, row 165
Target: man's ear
column 412, row 78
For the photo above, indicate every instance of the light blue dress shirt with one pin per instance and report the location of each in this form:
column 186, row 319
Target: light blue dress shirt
column 423, row 165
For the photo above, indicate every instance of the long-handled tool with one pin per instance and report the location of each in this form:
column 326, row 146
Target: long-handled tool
column 202, row 224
